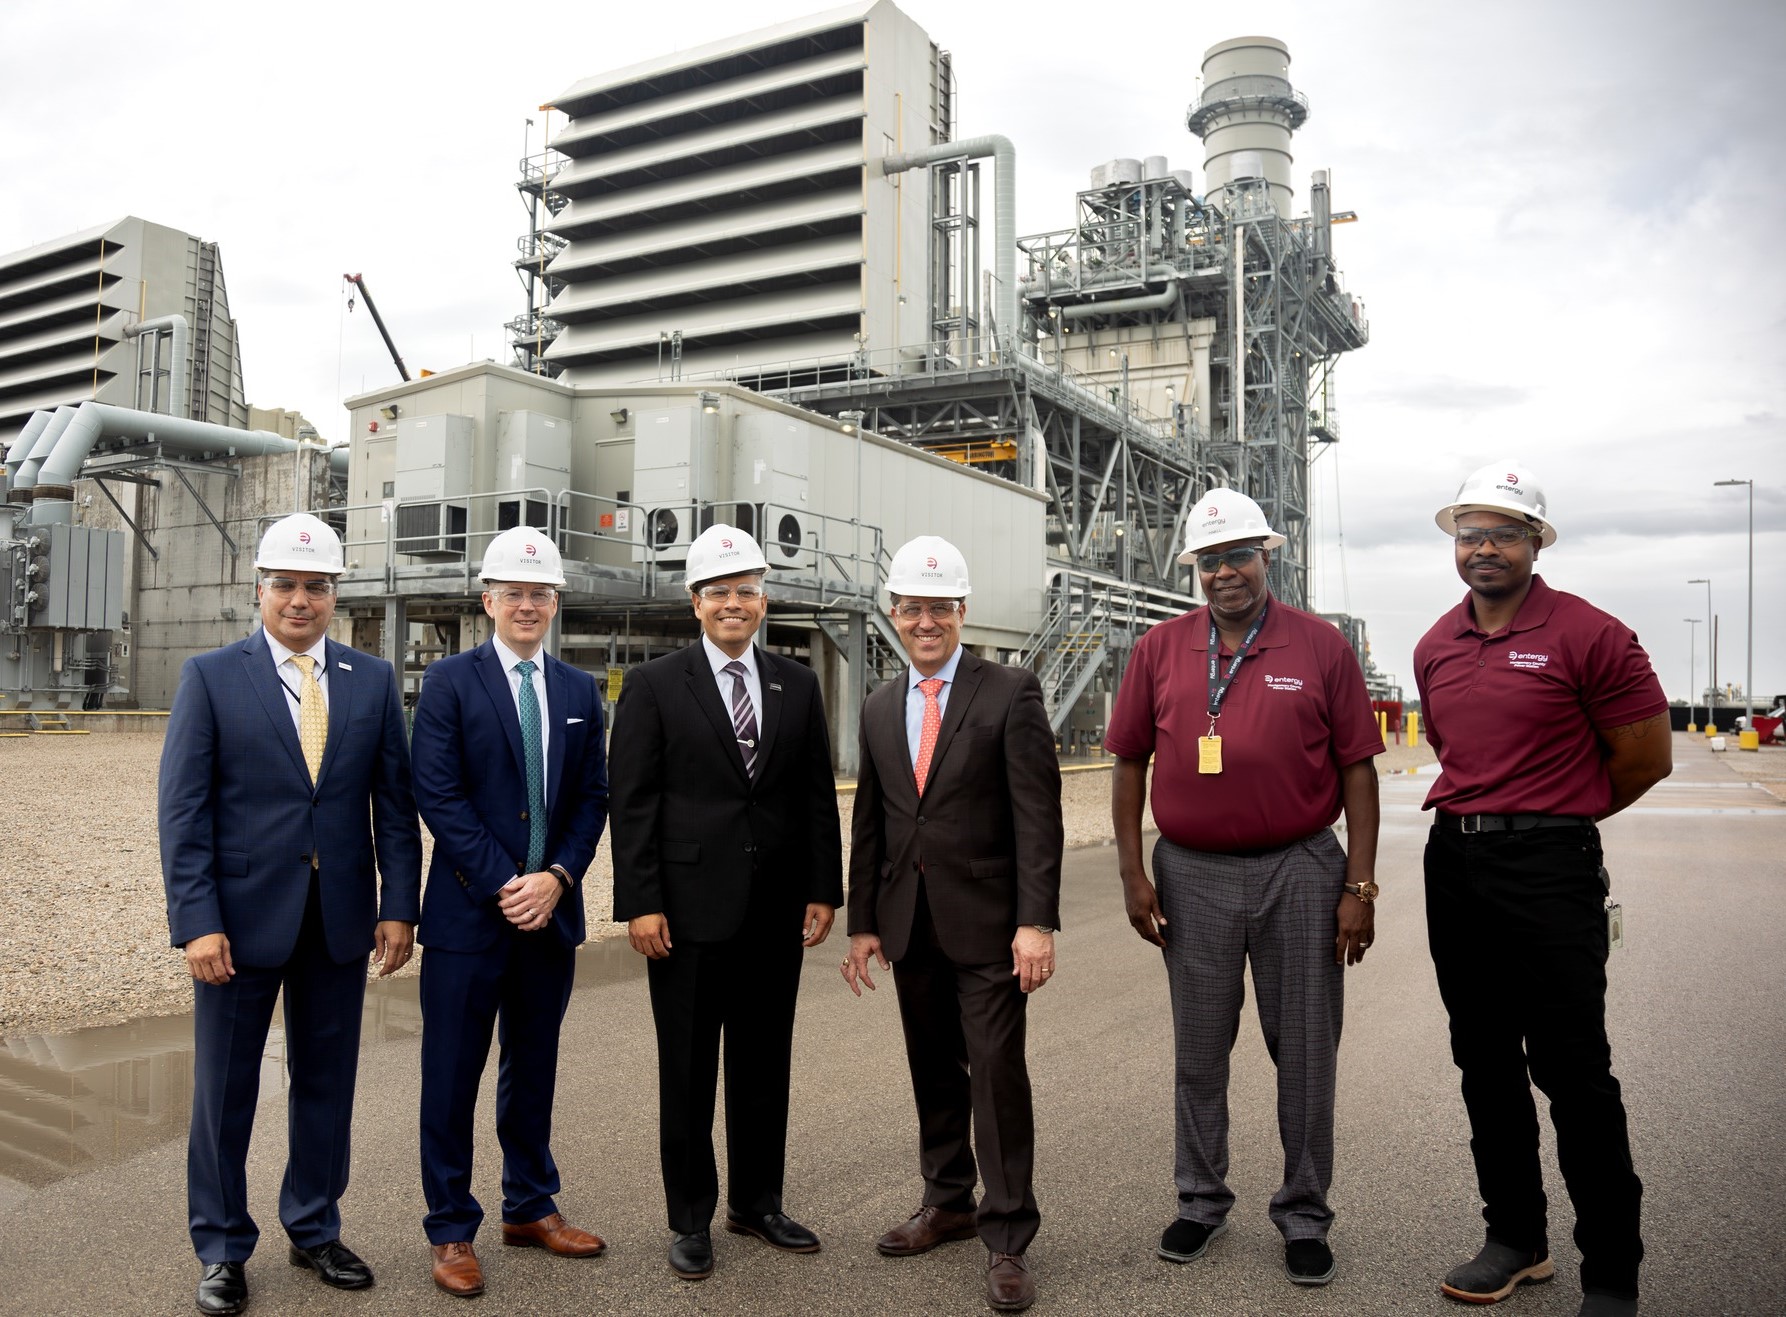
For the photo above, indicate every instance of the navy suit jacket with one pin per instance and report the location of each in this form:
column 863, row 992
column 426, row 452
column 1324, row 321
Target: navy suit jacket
column 471, row 784
column 240, row 819
column 693, row 833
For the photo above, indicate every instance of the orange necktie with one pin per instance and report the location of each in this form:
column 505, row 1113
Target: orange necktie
column 927, row 732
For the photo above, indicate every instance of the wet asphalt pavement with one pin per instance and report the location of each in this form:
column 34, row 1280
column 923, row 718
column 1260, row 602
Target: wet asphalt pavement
column 1697, row 1015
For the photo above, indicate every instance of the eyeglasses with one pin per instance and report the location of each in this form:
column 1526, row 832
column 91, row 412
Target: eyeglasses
column 936, row 610
column 744, row 594
column 1504, row 537
column 512, row 597
column 285, row 585
column 1236, row 558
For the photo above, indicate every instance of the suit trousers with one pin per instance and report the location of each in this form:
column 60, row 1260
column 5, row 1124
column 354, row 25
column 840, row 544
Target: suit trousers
column 1516, row 924
column 323, row 1003
column 1277, row 911
column 964, row 1040
column 741, row 989
column 524, row 981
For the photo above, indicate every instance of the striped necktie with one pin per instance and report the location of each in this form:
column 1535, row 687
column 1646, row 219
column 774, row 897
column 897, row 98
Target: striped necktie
column 313, row 715
column 744, row 718
column 536, row 767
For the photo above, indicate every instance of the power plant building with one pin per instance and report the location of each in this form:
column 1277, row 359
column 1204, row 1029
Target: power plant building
column 756, row 297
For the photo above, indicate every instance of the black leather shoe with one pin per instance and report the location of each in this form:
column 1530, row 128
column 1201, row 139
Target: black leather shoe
column 222, row 1289
column 335, row 1264
column 777, row 1229
column 691, row 1255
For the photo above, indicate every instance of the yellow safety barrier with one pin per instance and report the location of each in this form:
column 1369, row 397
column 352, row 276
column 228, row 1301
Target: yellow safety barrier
column 1748, row 739
column 1413, row 730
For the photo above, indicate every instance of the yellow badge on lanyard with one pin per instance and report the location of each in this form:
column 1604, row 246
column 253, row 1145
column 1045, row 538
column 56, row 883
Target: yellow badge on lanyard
column 1209, row 754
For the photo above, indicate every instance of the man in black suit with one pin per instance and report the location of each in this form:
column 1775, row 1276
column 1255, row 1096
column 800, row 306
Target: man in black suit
column 955, row 879
column 727, row 860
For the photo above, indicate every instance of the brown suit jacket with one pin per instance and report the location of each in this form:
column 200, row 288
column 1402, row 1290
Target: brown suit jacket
column 985, row 837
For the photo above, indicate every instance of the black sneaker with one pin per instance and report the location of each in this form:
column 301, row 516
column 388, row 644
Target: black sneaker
column 1496, row 1272
column 1186, row 1241
column 1308, row 1262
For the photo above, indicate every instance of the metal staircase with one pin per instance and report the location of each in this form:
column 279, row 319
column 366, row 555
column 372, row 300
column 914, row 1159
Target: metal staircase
column 52, row 723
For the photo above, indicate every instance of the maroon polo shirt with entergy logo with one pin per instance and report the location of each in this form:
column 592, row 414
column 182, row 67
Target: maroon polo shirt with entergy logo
column 1296, row 713
column 1514, row 715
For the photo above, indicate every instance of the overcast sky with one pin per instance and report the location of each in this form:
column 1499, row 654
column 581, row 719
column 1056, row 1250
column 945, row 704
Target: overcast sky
column 1570, row 237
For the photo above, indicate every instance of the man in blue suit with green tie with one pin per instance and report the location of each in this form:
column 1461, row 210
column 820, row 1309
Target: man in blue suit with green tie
column 511, row 777
column 289, row 849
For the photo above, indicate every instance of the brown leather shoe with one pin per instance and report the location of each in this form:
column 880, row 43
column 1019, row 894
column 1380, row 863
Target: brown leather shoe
column 456, row 1269
column 928, row 1227
column 555, row 1235
column 1009, row 1286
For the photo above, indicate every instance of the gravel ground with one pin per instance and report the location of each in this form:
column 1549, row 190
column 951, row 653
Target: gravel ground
column 85, row 935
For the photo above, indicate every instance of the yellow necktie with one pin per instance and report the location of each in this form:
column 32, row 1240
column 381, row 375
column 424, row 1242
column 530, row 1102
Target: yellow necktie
column 313, row 715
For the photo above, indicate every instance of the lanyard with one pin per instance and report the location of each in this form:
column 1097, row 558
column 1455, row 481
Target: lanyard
column 1218, row 691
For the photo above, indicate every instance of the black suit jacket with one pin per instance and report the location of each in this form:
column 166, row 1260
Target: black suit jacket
column 986, row 835
column 693, row 833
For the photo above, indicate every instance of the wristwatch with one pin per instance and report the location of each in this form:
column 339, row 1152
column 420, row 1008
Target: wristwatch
column 1365, row 891
column 559, row 872
column 1042, row 928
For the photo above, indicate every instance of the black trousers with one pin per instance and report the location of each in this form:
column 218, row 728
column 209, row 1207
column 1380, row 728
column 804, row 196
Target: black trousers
column 964, row 1039
column 741, row 990
column 1517, row 929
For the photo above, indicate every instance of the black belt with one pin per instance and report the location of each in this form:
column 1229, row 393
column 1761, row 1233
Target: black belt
column 1508, row 822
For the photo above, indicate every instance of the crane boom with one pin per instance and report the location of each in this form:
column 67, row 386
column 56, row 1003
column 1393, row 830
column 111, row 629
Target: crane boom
column 378, row 320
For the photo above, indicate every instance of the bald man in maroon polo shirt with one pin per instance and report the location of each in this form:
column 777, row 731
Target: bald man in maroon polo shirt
column 1261, row 731
column 1547, row 718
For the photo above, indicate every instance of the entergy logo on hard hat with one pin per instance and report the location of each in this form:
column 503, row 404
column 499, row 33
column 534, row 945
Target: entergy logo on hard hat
column 303, row 537
column 930, row 563
column 725, row 544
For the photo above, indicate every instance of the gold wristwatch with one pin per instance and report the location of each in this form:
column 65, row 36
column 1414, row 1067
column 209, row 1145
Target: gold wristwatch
column 1365, row 891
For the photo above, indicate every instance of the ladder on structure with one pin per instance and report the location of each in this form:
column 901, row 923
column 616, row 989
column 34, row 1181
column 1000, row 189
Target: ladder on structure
column 1066, row 650
column 54, row 724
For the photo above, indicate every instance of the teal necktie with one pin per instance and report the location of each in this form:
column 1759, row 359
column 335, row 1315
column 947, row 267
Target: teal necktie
column 536, row 768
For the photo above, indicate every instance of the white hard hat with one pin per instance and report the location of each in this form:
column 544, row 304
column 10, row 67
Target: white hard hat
column 300, row 543
column 723, row 550
column 929, row 567
column 1222, row 516
column 523, row 554
column 1505, row 486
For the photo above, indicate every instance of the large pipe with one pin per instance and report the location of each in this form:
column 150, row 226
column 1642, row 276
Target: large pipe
column 19, row 448
column 177, row 370
column 1004, row 211
column 26, row 475
column 1151, row 302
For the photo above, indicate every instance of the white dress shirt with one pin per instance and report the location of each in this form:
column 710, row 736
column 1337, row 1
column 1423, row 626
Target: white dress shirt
column 914, row 700
column 293, row 680
column 509, row 658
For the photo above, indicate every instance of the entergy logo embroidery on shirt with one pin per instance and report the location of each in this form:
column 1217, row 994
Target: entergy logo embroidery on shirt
column 1531, row 662
column 1282, row 683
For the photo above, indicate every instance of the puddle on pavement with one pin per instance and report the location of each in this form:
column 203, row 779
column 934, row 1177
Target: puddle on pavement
column 74, row 1102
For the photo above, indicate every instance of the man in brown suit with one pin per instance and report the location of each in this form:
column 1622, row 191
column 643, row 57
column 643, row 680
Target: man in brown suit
column 955, row 880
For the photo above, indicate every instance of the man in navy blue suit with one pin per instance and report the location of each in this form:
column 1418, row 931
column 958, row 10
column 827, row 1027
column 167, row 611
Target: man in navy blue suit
column 284, row 801
column 511, row 777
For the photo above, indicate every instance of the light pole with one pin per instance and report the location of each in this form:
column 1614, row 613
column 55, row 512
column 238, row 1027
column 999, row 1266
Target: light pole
column 1711, row 665
column 1749, row 629
column 1692, row 638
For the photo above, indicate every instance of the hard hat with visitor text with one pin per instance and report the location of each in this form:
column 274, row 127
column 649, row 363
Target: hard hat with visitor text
column 300, row 543
column 1221, row 517
column 1505, row 486
column 721, row 551
column 523, row 554
column 928, row 567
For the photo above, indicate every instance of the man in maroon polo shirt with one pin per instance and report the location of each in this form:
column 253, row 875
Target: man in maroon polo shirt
column 1547, row 718
column 1261, row 732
